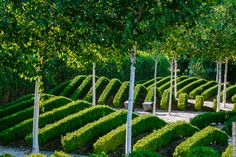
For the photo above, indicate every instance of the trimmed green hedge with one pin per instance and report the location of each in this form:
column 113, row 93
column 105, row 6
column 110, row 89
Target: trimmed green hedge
column 72, row 86
column 150, row 95
column 183, row 101
column 121, row 95
column 57, row 90
column 7, row 155
column 19, row 116
column 185, row 82
column 111, row 141
column 23, row 128
column 202, row 138
column 162, row 137
column 23, row 98
column 199, row 90
column 208, row 118
column 228, row 151
column 203, row 152
column 143, row 153
column 109, row 92
column 92, row 131
column 165, row 100
column 150, row 82
column 233, row 99
column 211, row 92
column 160, row 82
column 100, row 86
column 83, row 89
column 199, row 101
column 191, row 86
column 230, row 91
column 167, row 84
column 140, row 93
column 36, row 155
column 228, row 125
column 60, row 154
column 70, row 123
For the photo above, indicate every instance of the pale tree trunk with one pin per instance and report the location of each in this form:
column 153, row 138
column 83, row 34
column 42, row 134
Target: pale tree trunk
column 175, row 61
column 36, row 117
column 217, row 72
column 225, row 82
column 94, row 85
column 219, row 88
column 171, row 84
column 155, row 89
column 130, row 105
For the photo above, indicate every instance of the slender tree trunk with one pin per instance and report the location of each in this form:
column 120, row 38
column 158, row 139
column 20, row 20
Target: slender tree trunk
column 217, row 72
column 219, row 88
column 171, row 84
column 94, row 85
column 225, row 81
column 36, row 117
column 155, row 88
column 175, row 60
column 130, row 106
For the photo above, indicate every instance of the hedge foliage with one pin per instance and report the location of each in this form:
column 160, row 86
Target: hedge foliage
column 109, row 92
column 116, row 137
column 36, row 155
column 228, row 151
column 23, row 98
column 199, row 90
column 203, row 152
column 140, row 93
column 7, row 155
column 92, row 131
column 150, row 82
column 58, row 89
column 23, row 128
column 230, row 91
column 191, row 86
column 183, row 101
column 233, row 98
column 162, row 137
column 228, row 125
column 167, row 84
column 202, row 138
column 72, row 86
column 160, row 82
column 165, row 100
column 185, row 82
column 211, row 92
column 208, row 118
column 19, row 116
column 121, row 95
column 143, row 153
column 100, row 85
column 70, row 123
column 60, row 154
column 83, row 89
column 199, row 101
column 150, row 95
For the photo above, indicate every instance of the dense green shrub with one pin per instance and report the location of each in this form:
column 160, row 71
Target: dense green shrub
column 150, row 82
column 23, row 128
column 116, row 137
column 92, row 131
column 230, row 91
column 150, row 95
column 109, row 92
column 233, row 98
column 83, row 89
column 7, row 155
column 70, row 123
column 121, row 95
column 23, row 98
column 202, row 138
column 140, row 93
column 211, row 92
column 167, row 85
column 228, row 125
column 143, row 153
column 185, row 82
column 162, row 137
column 165, row 99
column 214, row 105
column 160, row 82
column 208, row 118
column 58, row 89
column 191, row 86
column 37, row 155
column 100, row 154
column 200, row 151
column 72, row 86
column 100, row 85
column 228, row 151
column 183, row 101
column 60, row 154
column 198, row 103
column 199, row 90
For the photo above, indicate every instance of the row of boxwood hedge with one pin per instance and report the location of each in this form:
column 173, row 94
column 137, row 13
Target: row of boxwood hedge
column 121, row 95
column 140, row 93
column 23, row 98
column 160, row 82
column 162, row 137
column 70, row 123
column 228, row 151
column 230, row 91
column 203, row 151
column 92, row 131
column 211, row 92
column 109, row 92
column 150, row 82
column 116, row 137
column 167, row 85
column 19, row 116
column 233, row 98
column 72, row 86
column 100, row 86
column 199, row 90
column 228, row 125
column 204, row 137
column 185, row 82
column 165, row 99
column 150, row 95
column 58, row 89
column 25, row 127
column 183, row 101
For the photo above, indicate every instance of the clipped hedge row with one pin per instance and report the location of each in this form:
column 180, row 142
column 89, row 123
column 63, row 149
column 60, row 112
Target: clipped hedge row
column 160, row 82
column 109, row 92
column 144, row 153
column 140, row 93
column 183, row 101
column 199, row 101
column 162, row 137
column 19, row 116
column 83, row 89
column 228, row 151
column 185, row 82
column 23, row 98
column 92, row 131
column 167, row 84
column 165, row 100
column 203, row 152
column 233, row 98
column 121, row 95
column 150, row 95
column 70, row 123
column 100, row 85
column 202, row 138
column 150, row 82
column 191, row 86
column 211, row 92
column 23, row 128
column 208, row 118
column 228, row 125
column 199, row 90
column 60, row 154
column 72, row 86
column 116, row 137
column 57, row 90
column 230, row 91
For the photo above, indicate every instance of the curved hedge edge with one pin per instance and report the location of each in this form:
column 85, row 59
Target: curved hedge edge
column 150, row 82
column 100, row 85
column 204, row 151
column 167, row 84
column 70, row 123
column 228, row 125
column 160, row 82
column 183, row 101
column 60, row 154
column 211, row 92
column 116, row 137
column 144, row 153
column 162, row 137
column 150, row 95
column 202, row 138
column 72, row 86
column 200, row 89
column 185, row 82
column 230, row 91
column 57, row 90
column 140, row 92
column 228, row 151
column 83, row 89
column 199, row 101
column 121, row 95
column 165, row 100
column 110, row 90
column 23, row 98
column 92, row 131
column 233, row 99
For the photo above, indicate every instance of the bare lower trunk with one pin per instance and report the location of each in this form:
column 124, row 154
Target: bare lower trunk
column 94, row 85
column 175, row 86
column 217, row 72
column 219, row 88
column 155, row 87
column 171, row 84
column 225, row 81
